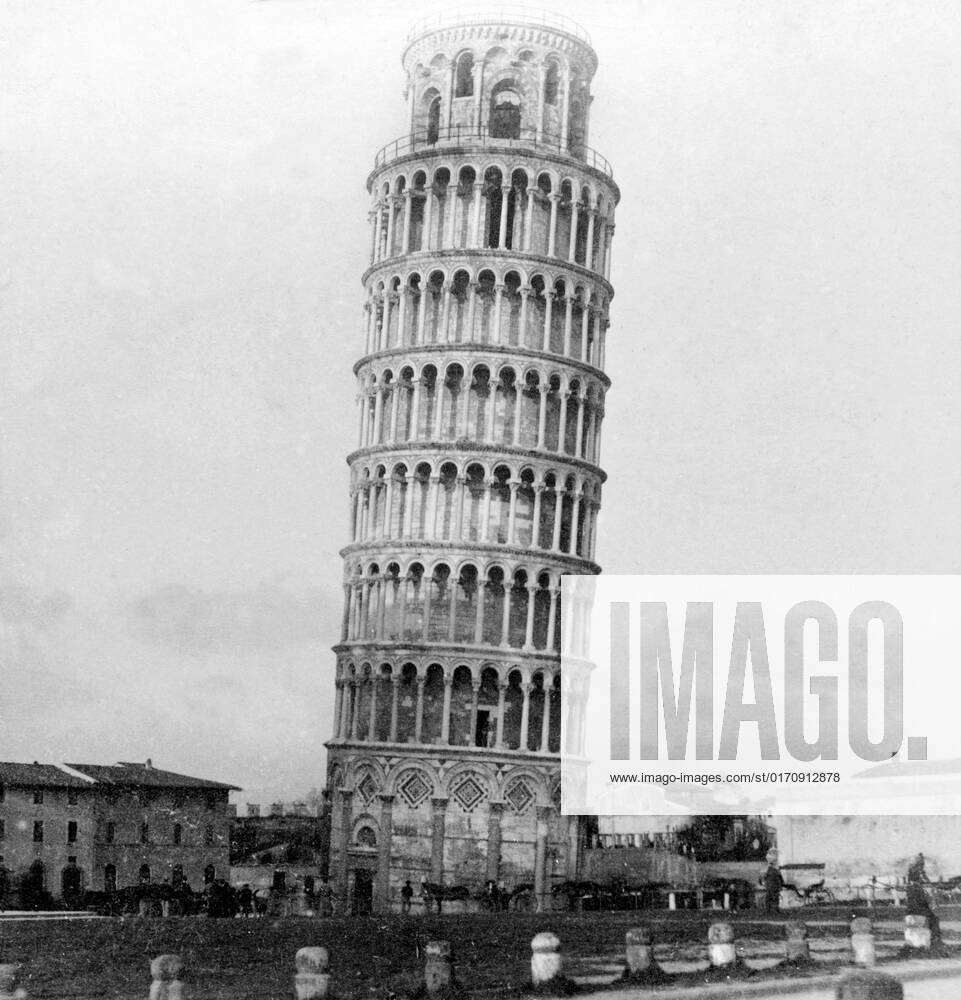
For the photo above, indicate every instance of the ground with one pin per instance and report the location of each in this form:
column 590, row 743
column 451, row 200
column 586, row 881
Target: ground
column 374, row 957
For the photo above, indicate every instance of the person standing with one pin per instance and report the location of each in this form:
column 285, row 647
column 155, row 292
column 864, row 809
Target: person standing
column 773, row 884
column 406, row 894
column 917, row 902
column 325, row 897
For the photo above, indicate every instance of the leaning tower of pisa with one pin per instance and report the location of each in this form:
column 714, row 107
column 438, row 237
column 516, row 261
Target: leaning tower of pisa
column 475, row 482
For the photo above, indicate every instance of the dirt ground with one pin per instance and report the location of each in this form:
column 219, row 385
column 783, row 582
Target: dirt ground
column 374, row 957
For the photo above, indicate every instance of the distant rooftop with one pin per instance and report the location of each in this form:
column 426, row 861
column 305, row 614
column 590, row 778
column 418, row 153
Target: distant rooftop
column 36, row 775
column 507, row 14
column 132, row 773
column 913, row 769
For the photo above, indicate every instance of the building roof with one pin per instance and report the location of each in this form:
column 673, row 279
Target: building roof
column 128, row 773
column 38, row 776
column 913, row 769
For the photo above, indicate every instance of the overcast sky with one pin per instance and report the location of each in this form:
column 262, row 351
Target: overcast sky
column 182, row 235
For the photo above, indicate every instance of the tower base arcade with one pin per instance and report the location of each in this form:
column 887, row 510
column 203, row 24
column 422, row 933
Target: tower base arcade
column 427, row 814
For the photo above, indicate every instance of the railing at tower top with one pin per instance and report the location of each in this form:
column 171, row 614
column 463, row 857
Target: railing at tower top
column 498, row 14
column 466, row 135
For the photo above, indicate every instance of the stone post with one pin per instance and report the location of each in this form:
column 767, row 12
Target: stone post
column 865, row 984
column 437, row 966
column 720, row 945
column 8, row 983
column 862, row 942
column 312, row 981
column 917, row 933
column 165, row 970
column 545, row 958
column 639, row 950
column 796, row 946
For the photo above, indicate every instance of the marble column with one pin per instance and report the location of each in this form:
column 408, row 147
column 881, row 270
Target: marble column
column 495, row 812
column 438, row 820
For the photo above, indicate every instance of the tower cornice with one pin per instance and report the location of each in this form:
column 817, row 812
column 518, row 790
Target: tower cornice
column 535, row 359
column 520, row 260
column 460, row 551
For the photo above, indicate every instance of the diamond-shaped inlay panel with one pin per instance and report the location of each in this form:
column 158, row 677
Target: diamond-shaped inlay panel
column 468, row 793
column 556, row 794
column 413, row 789
column 367, row 788
column 519, row 796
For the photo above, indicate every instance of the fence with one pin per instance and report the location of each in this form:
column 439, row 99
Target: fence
column 470, row 135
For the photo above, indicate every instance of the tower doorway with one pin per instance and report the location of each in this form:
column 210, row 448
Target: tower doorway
column 505, row 112
column 362, row 899
column 484, row 729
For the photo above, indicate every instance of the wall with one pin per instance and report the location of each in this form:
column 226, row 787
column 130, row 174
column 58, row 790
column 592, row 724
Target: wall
column 160, row 810
column 861, row 846
column 17, row 848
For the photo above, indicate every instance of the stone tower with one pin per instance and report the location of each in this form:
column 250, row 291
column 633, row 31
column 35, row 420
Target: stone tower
column 475, row 483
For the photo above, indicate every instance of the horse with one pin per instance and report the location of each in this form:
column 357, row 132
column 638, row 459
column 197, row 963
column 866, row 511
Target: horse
column 521, row 897
column 492, row 898
column 434, row 892
column 575, row 892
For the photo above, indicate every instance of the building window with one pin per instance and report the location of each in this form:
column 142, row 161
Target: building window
column 210, row 873
column 38, row 831
column 3, row 793
column 366, row 837
column 144, row 833
column 111, row 833
column 3, row 830
column 505, row 113
column 71, row 796
column 178, row 833
column 464, row 85
column 550, row 84
column 71, row 832
column 144, row 874
column 38, row 796
column 178, row 876
column 110, row 878
column 208, row 835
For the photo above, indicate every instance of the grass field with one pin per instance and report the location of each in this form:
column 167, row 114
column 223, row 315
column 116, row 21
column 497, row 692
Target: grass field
column 370, row 957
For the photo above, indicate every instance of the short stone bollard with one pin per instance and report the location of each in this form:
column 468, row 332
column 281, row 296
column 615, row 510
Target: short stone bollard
column 917, row 932
column 639, row 949
column 720, row 945
column 545, row 958
column 796, row 945
column 862, row 941
column 312, row 981
column 867, row 984
column 166, row 971
column 437, row 966
column 8, row 983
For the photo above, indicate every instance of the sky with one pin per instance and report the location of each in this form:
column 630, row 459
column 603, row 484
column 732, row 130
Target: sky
column 183, row 228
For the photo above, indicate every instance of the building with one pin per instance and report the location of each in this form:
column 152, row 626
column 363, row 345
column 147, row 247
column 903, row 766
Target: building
column 66, row 829
column 297, row 836
column 476, row 481
column 46, row 834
